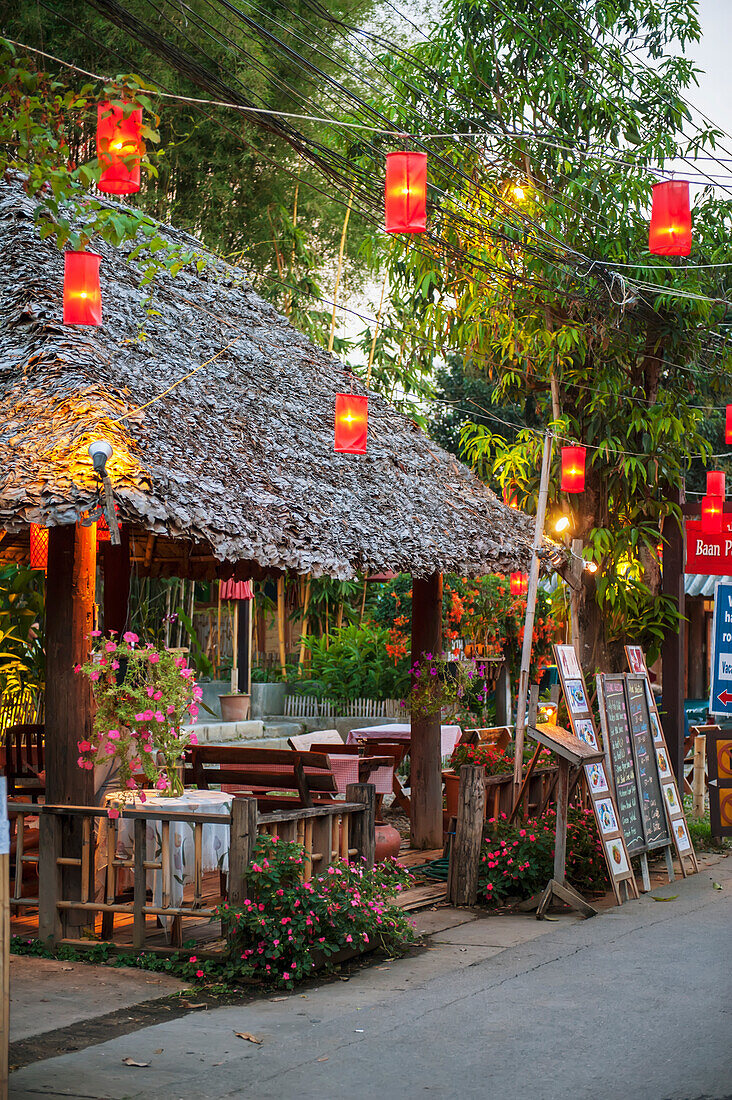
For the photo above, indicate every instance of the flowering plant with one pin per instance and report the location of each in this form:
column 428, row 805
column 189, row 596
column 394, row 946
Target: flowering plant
column 439, row 684
column 495, row 761
column 279, row 931
column 143, row 696
column 518, row 859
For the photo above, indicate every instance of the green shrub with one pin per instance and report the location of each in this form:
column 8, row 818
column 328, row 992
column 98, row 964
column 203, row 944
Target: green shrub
column 355, row 663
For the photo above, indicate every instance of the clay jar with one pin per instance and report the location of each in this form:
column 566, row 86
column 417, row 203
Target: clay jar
column 388, row 842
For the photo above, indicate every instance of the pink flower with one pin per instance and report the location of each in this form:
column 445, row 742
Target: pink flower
column 159, row 716
column 110, row 647
column 198, row 693
column 83, row 746
column 81, row 762
column 154, row 658
column 143, row 796
column 193, row 959
column 112, row 813
column 130, row 637
column 170, row 709
column 110, row 750
column 275, row 943
column 77, row 668
column 157, row 695
column 162, row 783
column 131, row 784
column 349, row 939
column 113, row 735
column 114, row 665
column 193, row 710
column 286, row 976
column 199, row 973
column 95, row 634
column 88, row 765
column 94, row 675
column 193, row 740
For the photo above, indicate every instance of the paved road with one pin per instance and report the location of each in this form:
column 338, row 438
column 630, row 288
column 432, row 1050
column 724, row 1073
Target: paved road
column 634, row 1003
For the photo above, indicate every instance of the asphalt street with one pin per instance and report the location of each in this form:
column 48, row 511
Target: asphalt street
column 636, row 1002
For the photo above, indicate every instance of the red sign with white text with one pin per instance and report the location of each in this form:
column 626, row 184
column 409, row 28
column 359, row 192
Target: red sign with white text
column 709, row 553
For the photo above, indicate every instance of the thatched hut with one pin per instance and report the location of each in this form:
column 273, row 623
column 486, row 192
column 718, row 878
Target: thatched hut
column 221, row 467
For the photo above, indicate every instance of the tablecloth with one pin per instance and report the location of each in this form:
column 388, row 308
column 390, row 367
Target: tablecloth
column 215, row 838
column 402, row 731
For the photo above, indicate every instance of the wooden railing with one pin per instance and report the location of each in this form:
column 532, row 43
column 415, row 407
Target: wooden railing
column 67, row 884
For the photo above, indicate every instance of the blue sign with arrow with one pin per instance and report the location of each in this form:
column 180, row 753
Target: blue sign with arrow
column 720, row 701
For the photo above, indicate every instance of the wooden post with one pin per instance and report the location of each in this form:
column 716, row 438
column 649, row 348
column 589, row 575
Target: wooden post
column 234, row 684
column 281, row 623
column 116, row 569
column 5, row 936
column 50, row 920
column 426, row 758
column 672, row 649
column 139, row 884
column 560, row 842
column 69, row 622
column 697, row 648
column 698, row 783
column 523, row 686
column 462, row 879
column 241, row 850
column 363, row 827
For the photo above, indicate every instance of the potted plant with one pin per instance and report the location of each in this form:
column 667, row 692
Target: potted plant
column 144, row 695
column 498, row 765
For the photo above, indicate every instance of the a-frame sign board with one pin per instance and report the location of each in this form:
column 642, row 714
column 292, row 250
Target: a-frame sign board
column 627, row 733
column 604, row 805
column 671, row 799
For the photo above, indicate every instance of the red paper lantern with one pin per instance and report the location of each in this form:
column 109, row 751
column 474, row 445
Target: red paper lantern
column 519, row 584
column 670, row 229
column 406, row 192
column 38, row 547
column 712, row 509
column 715, row 484
column 119, row 148
column 351, row 423
column 82, row 293
column 573, row 469
column 728, row 425
column 509, row 497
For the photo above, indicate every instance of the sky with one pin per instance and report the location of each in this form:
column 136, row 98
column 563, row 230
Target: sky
column 714, row 94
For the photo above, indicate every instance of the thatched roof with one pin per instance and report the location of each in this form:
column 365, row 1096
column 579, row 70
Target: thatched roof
column 238, row 460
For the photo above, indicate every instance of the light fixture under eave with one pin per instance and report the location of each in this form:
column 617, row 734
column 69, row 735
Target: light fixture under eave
column 38, row 547
column 351, row 423
column 82, row 292
column 562, row 525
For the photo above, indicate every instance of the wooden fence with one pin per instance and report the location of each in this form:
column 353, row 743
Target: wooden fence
column 335, row 830
column 310, row 706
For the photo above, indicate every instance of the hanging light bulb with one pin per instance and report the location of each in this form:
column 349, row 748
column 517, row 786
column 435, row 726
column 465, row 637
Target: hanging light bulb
column 82, row 292
column 38, row 547
column 351, row 423
column 573, row 469
column 711, row 515
column 518, row 192
column 406, row 192
column 119, row 148
column 562, row 525
column 670, row 230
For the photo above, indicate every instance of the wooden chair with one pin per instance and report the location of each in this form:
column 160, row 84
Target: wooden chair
column 499, row 736
column 303, row 742
column 364, row 767
column 23, row 763
column 277, row 778
column 397, row 750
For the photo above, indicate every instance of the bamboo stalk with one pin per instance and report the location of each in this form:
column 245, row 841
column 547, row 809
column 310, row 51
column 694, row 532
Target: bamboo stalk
column 281, row 622
column 304, row 632
column 331, row 337
column 376, row 333
column 218, row 629
column 363, row 600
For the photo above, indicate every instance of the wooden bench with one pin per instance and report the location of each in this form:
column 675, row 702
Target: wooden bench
column 277, row 778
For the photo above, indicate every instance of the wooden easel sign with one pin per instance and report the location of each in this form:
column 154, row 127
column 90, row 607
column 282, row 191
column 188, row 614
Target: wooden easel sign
column 673, row 805
column 632, row 762
column 607, row 816
column 719, row 768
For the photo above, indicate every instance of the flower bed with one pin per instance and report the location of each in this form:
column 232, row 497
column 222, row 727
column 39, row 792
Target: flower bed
column 498, row 766
column 518, row 860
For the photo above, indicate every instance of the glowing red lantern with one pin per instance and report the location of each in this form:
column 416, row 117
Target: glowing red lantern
column 573, row 469
column 711, row 515
column 38, row 547
column 728, row 425
column 715, row 483
column 519, row 584
column 670, row 229
column 509, row 497
column 82, row 293
column 406, row 192
column 351, row 423
column 119, row 148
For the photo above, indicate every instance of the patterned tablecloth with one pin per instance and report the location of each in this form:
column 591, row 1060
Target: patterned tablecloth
column 215, row 839
column 402, row 731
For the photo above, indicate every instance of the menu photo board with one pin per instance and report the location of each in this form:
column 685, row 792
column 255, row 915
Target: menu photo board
column 604, row 804
column 620, row 749
column 670, row 797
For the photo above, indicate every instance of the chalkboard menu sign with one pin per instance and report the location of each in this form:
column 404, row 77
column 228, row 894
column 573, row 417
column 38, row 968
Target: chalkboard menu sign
column 621, row 754
column 649, row 785
column 635, row 767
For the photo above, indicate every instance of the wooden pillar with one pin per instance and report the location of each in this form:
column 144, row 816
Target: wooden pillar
column 462, row 879
column 426, row 757
column 116, row 569
column 672, row 649
column 363, row 828
column 696, row 647
column 69, row 622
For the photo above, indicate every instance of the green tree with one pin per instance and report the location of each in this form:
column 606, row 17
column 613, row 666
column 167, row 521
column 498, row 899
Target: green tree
column 538, row 272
